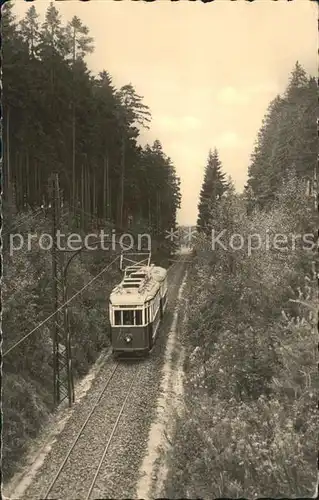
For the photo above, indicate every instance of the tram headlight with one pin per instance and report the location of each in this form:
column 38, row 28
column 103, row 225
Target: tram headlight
column 128, row 339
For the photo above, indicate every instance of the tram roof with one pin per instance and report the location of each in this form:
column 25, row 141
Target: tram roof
column 135, row 290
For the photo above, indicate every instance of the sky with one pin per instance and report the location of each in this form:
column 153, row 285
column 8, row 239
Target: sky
column 207, row 71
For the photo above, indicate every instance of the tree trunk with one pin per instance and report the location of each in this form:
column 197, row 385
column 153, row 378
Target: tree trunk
column 122, row 181
column 73, row 157
column 25, row 179
column 78, row 197
column 85, row 208
column 94, row 212
column 109, row 204
column 82, row 197
column 17, row 179
column 104, row 194
column 88, row 194
column 8, row 181
column 35, row 183
column 73, row 125
column 29, row 184
column 108, row 192
column 158, row 215
column 149, row 213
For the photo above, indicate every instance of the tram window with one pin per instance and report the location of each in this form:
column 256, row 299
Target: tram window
column 138, row 317
column 118, row 317
column 128, row 317
column 147, row 314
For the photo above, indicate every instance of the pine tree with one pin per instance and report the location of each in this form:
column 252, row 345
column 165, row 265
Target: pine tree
column 286, row 143
column 13, row 53
column 79, row 45
column 230, row 187
column 131, row 112
column 213, row 188
column 59, row 117
column 29, row 30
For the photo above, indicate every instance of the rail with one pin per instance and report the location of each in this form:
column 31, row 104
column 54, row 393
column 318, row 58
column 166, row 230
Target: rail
column 89, row 417
column 80, row 434
column 115, row 426
column 56, row 477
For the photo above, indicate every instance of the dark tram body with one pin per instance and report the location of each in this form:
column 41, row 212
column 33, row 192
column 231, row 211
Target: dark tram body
column 136, row 309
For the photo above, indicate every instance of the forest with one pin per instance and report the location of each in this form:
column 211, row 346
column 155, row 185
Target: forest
column 246, row 424
column 59, row 118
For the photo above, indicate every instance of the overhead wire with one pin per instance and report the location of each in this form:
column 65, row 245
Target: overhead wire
column 60, row 308
column 23, row 219
column 66, row 212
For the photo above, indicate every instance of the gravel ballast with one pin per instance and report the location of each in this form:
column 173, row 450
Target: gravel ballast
column 119, row 471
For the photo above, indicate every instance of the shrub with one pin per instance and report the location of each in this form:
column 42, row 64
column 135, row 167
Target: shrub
column 248, row 428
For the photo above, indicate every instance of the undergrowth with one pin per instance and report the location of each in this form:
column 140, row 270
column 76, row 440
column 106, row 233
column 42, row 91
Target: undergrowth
column 248, row 427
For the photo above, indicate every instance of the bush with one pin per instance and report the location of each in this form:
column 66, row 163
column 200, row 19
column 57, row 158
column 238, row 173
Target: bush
column 23, row 413
column 27, row 300
column 248, row 428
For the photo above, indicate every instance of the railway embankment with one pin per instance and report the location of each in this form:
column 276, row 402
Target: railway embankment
column 153, row 469
column 109, row 451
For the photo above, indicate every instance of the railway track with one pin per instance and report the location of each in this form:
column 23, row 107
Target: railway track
column 72, row 480
column 180, row 262
column 83, row 469
column 102, row 477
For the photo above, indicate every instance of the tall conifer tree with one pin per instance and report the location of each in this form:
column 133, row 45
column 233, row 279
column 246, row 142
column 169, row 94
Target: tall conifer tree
column 287, row 141
column 213, row 188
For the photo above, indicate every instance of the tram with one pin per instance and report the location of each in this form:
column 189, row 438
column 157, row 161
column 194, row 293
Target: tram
column 136, row 308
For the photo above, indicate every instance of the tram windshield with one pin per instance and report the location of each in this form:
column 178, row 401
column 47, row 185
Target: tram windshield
column 128, row 318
